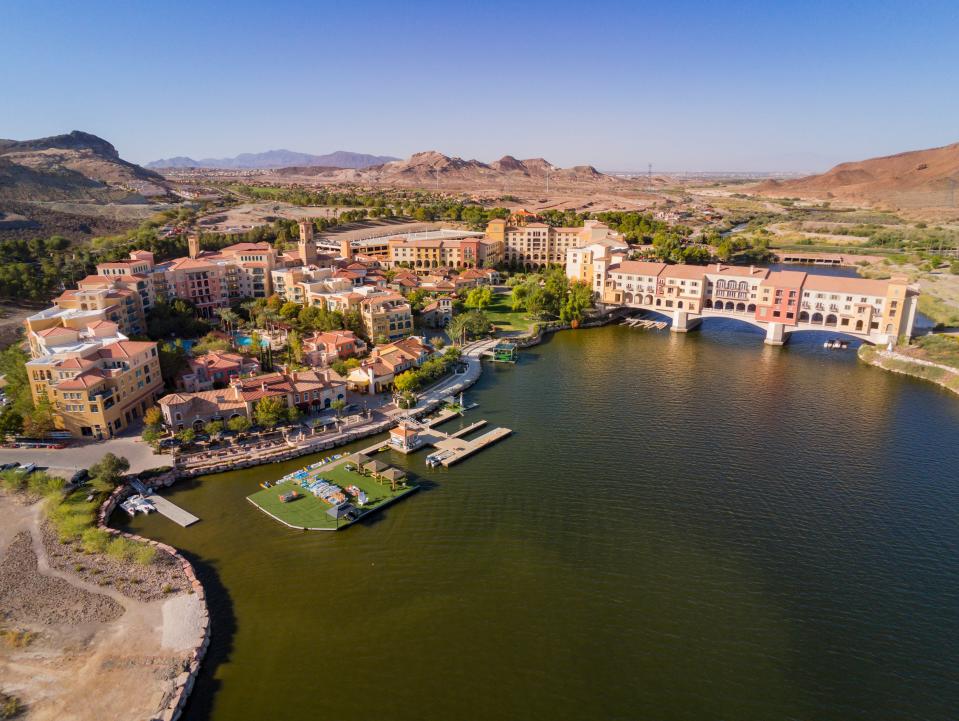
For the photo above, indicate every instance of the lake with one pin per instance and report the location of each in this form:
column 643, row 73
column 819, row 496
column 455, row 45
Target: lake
column 681, row 527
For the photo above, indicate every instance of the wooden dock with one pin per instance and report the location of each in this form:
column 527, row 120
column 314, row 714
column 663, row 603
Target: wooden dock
column 172, row 511
column 458, row 449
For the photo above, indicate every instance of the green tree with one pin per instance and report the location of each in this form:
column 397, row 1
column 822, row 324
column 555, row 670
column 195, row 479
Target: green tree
column 38, row 422
column 240, row 424
column 186, row 436
column 480, row 297
column 106, row 474
column 469, row 325
column 338, row 405
column 295, row 347
column 213, row 428
column 407, row 382
column 579, row 298
column 269, row 411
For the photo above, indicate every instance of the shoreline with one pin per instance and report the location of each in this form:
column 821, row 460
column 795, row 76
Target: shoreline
column 893, row 362
column 184, row 681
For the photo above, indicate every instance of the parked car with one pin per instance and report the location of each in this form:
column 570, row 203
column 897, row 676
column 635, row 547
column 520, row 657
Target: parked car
column 79, row 478
column 9, row 466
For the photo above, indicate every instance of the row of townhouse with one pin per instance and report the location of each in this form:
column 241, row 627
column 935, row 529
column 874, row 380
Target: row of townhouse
column 311, row 391
column 884, row 309
column 97, row 381
column 536, row 245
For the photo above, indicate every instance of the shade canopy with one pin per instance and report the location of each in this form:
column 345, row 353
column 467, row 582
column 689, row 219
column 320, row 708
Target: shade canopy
column 359, row 459
column 375, row 466
column 393, row 474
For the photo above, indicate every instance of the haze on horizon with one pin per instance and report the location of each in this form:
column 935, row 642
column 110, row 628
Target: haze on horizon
column 686, row 85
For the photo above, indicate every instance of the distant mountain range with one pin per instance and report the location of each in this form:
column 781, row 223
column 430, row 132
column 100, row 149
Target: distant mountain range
column 75, row 166
column 915, row 179
column 432, row 168
column 277, row 159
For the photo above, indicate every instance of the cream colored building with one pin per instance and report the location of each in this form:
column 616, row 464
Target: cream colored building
column 536, row 245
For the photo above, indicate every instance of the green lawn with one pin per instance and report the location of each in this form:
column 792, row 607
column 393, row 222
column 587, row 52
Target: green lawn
column 502, row 315
column 310, row 511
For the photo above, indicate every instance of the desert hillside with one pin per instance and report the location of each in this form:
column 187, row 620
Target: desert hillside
column 75, row 166
column 431, row 169
column 911, row 180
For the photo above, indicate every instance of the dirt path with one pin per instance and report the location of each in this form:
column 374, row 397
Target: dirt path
column 99, row 654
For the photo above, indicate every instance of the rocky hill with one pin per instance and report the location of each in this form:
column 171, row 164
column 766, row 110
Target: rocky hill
column 276, row 159
column 911, row 180
column 431, row 169
column 75, row 166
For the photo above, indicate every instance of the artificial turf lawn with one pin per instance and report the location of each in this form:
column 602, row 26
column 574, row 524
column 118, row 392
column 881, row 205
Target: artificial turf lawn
column 309, row 511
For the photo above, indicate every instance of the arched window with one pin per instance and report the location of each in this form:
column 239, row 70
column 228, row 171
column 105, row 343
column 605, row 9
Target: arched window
column 743, row 285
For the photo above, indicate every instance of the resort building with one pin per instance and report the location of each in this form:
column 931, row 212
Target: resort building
column 453, row 253
column 215, row 369
column 96, row 380
column 311, row 391
column 536, row 245
column 385, row 314
column 96, row 299
column 778, row 301
column 437, row 313
column 212, row 279
column 322, row 349
column 376, row 373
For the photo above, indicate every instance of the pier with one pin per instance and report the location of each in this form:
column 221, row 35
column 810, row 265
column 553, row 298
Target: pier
column 171, row 510
column 165, row 507
column 644, row 323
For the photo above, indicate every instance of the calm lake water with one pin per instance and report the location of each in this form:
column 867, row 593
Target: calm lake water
column 682, row 527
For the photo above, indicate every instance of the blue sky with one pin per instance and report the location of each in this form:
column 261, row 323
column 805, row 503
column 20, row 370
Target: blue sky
column 750, row 85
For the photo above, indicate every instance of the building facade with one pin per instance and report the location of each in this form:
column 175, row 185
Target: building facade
column 96, row 381
column 879, row 311
column 536, row 245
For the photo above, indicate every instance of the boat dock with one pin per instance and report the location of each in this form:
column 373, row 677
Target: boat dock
column 454, row 449
column 165, row 507
column 172, row 511
column 644, row 323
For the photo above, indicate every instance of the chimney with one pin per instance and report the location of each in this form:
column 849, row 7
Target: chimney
column 193, row 244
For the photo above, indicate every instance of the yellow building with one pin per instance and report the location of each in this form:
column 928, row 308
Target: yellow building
column 97, row 382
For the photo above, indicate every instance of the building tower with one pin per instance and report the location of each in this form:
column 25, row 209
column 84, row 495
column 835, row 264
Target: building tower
column 306, row 245
column 346, row 250
column 193, row 244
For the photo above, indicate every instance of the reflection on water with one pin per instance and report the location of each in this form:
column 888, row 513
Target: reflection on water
column 682, row 527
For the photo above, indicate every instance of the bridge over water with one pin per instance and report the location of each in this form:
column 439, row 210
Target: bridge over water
column 776, row 333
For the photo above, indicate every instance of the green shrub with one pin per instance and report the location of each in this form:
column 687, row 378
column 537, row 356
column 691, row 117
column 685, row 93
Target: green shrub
column 44, row 484
column 12, row 480
column 95, row 540
column 121, row 548
column 10, row 706
column 144, row 554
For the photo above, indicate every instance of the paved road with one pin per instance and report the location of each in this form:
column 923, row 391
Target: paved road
column 84, row 455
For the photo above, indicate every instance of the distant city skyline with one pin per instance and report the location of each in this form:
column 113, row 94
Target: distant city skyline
column 695, row 86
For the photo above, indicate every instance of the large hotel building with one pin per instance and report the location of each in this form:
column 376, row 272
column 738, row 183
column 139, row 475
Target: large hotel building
column 786, row 299
column 535, row 245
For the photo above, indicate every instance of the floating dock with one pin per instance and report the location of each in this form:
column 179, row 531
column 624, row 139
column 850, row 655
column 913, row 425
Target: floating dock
column 172, row 511
column 458, row 449
column 644, row 323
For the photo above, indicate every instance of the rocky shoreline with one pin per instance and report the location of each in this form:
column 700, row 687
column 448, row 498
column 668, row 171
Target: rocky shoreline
column 894, row 362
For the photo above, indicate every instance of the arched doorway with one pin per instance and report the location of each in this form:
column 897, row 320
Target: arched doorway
column 741, row 307
column 751, row 308
column 859, row 325
column 803, row 317
column 817, row 317
column 649, row 300
column 198, row 425
column 709, row 303
column 831, row 320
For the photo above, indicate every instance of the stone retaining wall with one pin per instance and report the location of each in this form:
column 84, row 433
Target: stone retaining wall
column 184, row 682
